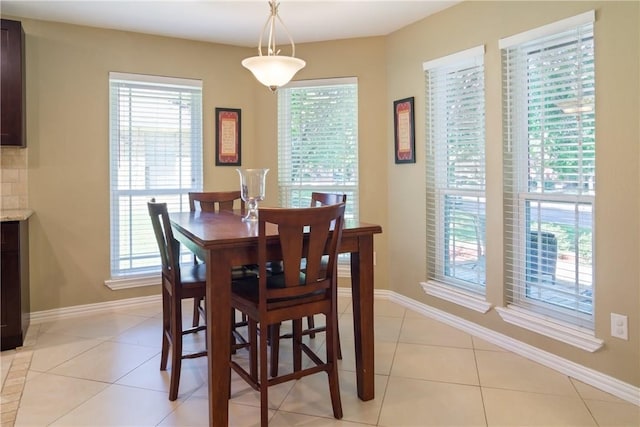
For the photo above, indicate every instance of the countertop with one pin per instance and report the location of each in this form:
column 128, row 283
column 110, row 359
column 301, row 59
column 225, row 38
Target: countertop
column 15, row 214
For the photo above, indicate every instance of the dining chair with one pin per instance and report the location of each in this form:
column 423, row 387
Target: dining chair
column 215, row 201
column 303, row 233
column 178, row 283
column 317, row 199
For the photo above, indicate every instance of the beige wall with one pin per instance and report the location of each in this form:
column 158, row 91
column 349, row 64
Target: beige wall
column 67, row 119
column 617, row 213
column 67, row 126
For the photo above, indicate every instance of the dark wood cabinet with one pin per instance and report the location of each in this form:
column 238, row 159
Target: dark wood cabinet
column 12, row 86
column 14, row 283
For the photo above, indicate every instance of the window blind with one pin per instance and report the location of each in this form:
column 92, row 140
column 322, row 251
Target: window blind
column 155, row 151
column 318, row 141
column 455, row 164
column 549, row 169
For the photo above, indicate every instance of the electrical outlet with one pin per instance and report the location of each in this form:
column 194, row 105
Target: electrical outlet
column 374, row 258
column 619, row 326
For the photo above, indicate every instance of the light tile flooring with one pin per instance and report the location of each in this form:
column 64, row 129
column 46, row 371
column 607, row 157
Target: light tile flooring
column 103, row 370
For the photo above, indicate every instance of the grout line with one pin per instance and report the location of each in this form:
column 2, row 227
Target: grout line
column 482, row 397
column 393, row 359
column 582, row 399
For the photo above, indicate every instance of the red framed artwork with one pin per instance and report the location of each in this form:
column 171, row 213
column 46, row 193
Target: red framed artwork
column 228, row 125
column 404, row 131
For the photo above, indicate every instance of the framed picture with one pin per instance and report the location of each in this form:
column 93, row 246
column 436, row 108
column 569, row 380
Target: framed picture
column 228, row 137
column 404, row 131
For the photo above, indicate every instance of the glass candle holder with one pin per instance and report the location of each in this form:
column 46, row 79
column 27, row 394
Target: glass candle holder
column 252, row 187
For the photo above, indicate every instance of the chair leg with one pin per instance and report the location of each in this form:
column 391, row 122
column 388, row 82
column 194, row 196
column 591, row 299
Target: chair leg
column 166, row 329
column 264, row 381
column 311, row 324
column 196, row 311
column 233, row 328
column 253, row 349
column 176, row 350
column 332, row 353
column 334, row 390
column 274, row 339
column 297, row 345
column 338, row 342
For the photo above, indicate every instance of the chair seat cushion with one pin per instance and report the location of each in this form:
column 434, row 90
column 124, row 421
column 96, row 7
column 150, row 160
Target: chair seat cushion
column 248, row 288
column 195, row 273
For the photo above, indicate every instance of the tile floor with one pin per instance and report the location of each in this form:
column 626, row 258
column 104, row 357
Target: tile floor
column 103, row 370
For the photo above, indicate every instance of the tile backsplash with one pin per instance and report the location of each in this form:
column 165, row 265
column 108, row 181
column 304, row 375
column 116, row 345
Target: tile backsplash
column 13, row 183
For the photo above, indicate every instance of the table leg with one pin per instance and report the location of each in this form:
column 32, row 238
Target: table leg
column 218, row 301
column 362, row 293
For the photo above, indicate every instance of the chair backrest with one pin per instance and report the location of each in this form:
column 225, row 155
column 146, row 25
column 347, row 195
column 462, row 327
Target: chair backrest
column 213, row 201
column 322, row 199
column 169, row 247
column 304, row 233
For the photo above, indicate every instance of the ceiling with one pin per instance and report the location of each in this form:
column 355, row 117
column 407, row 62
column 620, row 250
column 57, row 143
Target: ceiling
column 234, row 22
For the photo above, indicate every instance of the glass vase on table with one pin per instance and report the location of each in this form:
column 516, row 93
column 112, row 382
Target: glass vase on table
column 252, row 187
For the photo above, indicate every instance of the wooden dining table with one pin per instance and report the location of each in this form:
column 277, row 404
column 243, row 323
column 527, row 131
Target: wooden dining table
column 223, row 240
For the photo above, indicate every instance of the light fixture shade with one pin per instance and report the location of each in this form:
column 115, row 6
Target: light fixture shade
column 273, row 70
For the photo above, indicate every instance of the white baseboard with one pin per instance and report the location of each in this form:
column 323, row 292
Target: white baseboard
column 89, row 309
column 589, row 376
column 135, row 281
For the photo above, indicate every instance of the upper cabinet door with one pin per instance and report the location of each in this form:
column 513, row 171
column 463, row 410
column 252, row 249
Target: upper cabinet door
column 12, row 90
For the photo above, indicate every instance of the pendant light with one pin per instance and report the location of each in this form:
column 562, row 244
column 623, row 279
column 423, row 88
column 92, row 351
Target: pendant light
column 274, row 70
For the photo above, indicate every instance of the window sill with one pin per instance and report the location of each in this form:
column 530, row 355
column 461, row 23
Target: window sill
column 128, row 282
column 574, row 336
column 456, row 296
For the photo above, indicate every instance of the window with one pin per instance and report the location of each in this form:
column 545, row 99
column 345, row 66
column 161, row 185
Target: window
column 318, row 141
column 549, row 169
column 155, row 151
column 456, row 170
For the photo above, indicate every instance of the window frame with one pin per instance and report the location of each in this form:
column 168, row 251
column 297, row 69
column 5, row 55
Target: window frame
column 441, row 185
column 285, row 189
column 176, row 198
column 521, row 198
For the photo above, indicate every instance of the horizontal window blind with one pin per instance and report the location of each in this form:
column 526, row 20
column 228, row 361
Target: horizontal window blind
column 155, row 151
column 549, row 170
column 455, row 167
column 318, row 141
